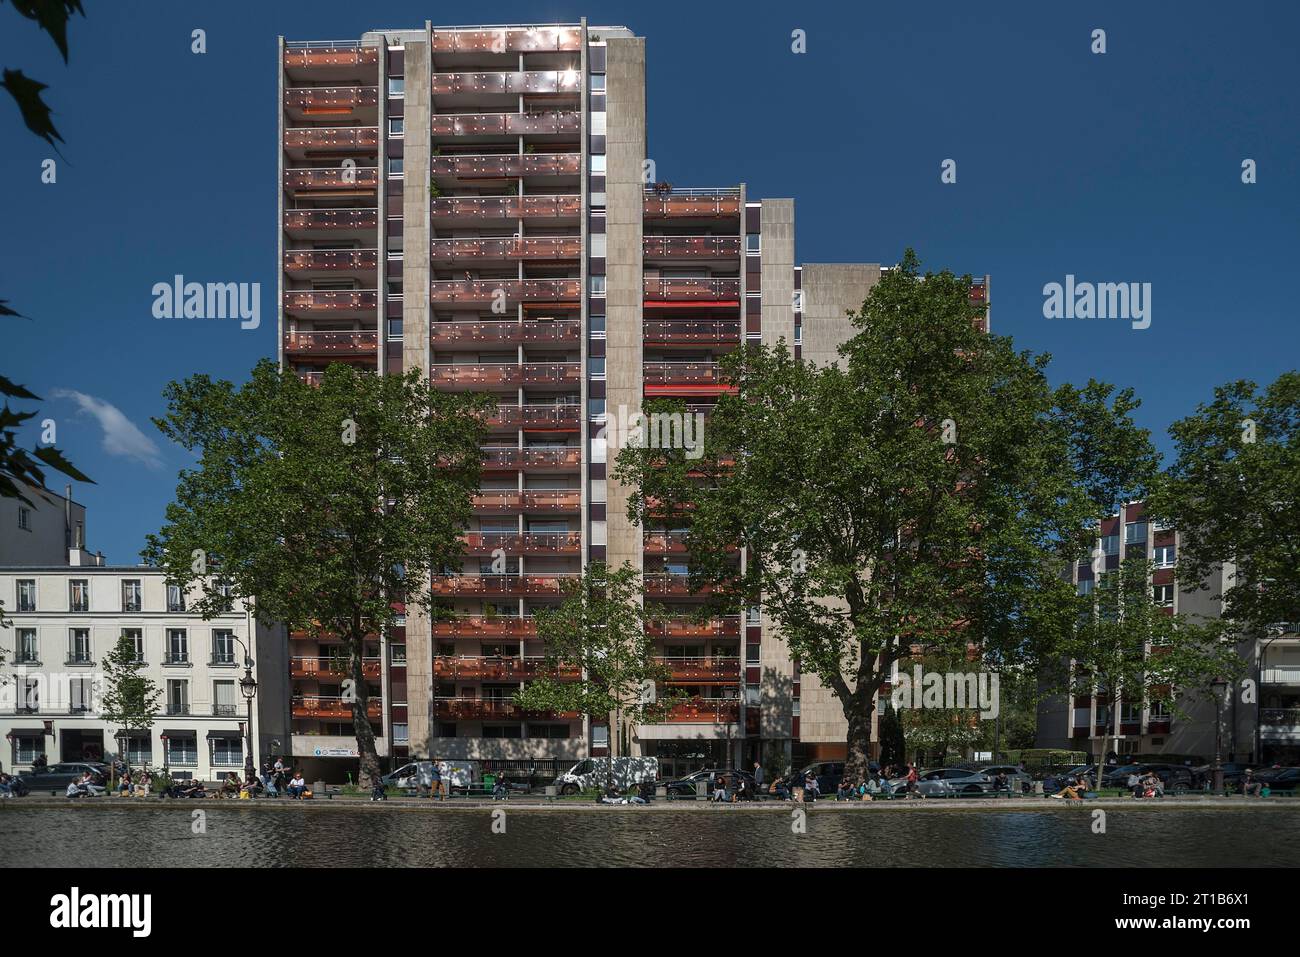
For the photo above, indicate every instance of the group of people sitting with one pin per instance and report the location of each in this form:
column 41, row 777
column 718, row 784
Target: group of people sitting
column 1146, row 785
column 87, row 786
column 732, row 788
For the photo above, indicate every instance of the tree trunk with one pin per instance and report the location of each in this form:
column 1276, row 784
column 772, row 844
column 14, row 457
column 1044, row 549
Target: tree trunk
column 365, row 735
column 857, row 764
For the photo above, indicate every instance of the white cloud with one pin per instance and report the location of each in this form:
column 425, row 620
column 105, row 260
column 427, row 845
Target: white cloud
column 121, row 435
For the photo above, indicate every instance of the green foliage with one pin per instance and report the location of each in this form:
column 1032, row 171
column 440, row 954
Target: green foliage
column 1233, row 492
column 130, row 698
column 327, row 503
column 52, row 17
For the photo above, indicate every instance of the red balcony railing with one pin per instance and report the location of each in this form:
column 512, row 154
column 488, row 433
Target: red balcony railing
column 328, row 100
column 688, row 331
column 327, row 708
column 508, row 40
column 510, row 166
column 552, row 459
column 523, row 543
column 526, row 81
column 727, row 626
column 464, row 668
column 344, row 138
column 331, row 343
column 341, row 178
column 528, row 331
column 504, row 124
column 505, row 586
column 713, row 669
column 705, row 711
column 331, row 302
column 505, row 374
column 305, row 57
column 505, row 249
column 303, row 220
column 459, row 709
column 479, row 626
column 330, row 260
column 505, row 207
column 690, row 247
column 535, row 417
column 332, row 667
column 488, row 291
column 696, row 290
column 539, row 500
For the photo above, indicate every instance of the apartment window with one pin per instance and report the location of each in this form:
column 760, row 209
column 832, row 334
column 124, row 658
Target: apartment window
column 394, row 329
column 598, row 285
column 1135, row 532
column 1110, row 544
column 1130, row 712
column 175, row 598
column 401, row 734
column 182, row 750
column 752, row 695
column 139, row 749
column 396, row 126
column 224, row 701
column 79, row 646
column 598, row 164
column 753, row 615
column 598, row 121
column 227, row 752
column 600, row 736
column 598, row 532
column 178, row 647
column 596, row 326
column 396, row 87
column 598, row 200
column 80, row 693
column 1084, row 587
column 26, row 648
column 27, row 748
column 753, row 242
column 596, row 410
column 395, row 247
column 27, row 594
column 751, row 654
column 1164, row 595
column 395, row 166
column 596, row 243
column 397, row 654
column 131, row 594
column 1159, row 711
column 79, row 595
column 1164, row 556
column 136, row 637
column 596, row 366
column 598, row 83
column 30, row 692
column 178, row 697
column 223, row 647
column 24, row 518
column 507, row 731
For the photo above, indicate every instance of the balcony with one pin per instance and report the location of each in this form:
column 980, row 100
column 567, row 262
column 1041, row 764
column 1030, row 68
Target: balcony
column 352, row 263
column 538, row 418
column 506, row 124
column 500, row 375
column 709, row 291
column 505, row 249
column 665, row 543
column 537, row 500
column 465, row 668
column 502, row 586
column 472, row 209
column 330, row 101
column 331, row 303
column 692, row 204
column 508, row 40
column 706, row 670
column 1280, row 723
column 673, row 585
column 506, row 166
column 727, row 626
column 1281, row 675
column 691, row 247
column 690, row 332
column 486, row 292
column 499, row 458
column 526, row 543
column 525, row 81
column 346, row 55
column 684, row 378
column 332, row 180
column 330, row 343
column 705, row 711
column 333, row 668
column 504, row 333
column 328, row 708
column 331, row 139
column 460, row 709
column 481, row 626
column 331, row 223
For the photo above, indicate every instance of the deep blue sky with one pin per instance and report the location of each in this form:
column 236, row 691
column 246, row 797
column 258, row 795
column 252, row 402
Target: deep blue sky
column 1120, row 167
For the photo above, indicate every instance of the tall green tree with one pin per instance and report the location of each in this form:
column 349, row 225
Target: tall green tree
column 1233, row 491
column 129, row 698
column 600, row 630
column 920, row 493
column 1126, row 647
column 327, row 504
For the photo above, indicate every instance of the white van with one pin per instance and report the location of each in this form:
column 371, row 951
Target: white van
column 594, row 773
column 417, row 774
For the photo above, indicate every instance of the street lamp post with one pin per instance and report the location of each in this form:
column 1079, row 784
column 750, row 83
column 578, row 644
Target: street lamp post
column 248, row 688
column 1219, row 687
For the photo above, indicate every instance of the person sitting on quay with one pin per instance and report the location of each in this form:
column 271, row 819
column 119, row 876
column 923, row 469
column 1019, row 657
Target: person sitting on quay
column 297, row 786
column 269, row 786
column 844, row 792
column 378, row 790
column 779, row 789
column 499, row 790
column 1249, row 785
column 124, row 784
column 720, row 789
column 1073, row 791
column 812, row 787
column 230, row 786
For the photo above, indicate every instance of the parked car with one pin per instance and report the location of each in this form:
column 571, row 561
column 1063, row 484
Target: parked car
column 685, row 787
column 457, row 775
column 1279, row 779
column 57, row 777
column 1203, row 776
column 1173, row 776
column 1017, row 779
column 595, row 773
column 944, row 782
column 829, row 774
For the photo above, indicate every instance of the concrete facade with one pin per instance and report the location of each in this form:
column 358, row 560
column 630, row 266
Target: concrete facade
column 42, row 532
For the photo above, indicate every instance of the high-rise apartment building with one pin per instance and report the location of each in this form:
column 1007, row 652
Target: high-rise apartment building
column 477, row 203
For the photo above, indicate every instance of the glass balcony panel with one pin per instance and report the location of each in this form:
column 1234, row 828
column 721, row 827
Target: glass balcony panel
column 691, row 247
column 361, row 177
column 508, row 40
column 530, row 331
column 331, row 99
column 505, row 248
column 332, row 138
column 490, row 167
column 691, row 330
column 330, row 219
column 330, row 260
column 691, row 289
column 331, row 343
column 330, row 301
column 333, row 55
column 683, row 373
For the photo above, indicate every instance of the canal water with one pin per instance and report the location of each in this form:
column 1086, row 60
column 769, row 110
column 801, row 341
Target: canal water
column 105, row 836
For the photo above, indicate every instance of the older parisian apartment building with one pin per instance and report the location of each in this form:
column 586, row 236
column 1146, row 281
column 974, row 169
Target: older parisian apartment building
column 1262, row 727
column 67, row 609
column 474, row 202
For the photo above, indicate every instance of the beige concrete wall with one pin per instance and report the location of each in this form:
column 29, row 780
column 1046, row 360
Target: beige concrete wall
column 829, row 290
column 415, row 354
column 776, row 218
